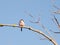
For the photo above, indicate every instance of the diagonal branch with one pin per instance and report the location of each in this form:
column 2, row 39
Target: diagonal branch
column 34, row 30
column 40, row 24
column 58, row 9
column 40, row 32
column 56, row 21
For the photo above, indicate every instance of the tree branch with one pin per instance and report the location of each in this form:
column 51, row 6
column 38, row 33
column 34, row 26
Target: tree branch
column 58, row 11
column 10, row 25
column 34, row 30
column 40, row 32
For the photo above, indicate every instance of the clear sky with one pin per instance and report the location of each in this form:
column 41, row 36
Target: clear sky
column 11, row 11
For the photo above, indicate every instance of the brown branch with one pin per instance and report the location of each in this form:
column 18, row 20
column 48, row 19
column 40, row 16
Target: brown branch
column 34, row 30
column 58, row 11
column 55, row 32
column 40, row 32
column 54, row 4
column 10, row 25
column 56, row 21
column 38, row 20
column 29, row 14
column 40, row 24
column 43, row 39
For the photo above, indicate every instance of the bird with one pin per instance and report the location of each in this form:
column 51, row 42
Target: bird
column 21, row 24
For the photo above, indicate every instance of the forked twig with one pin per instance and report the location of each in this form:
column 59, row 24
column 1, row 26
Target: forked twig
column 58, row 11
column 40, row 24
column 29, row 14
column 38, row 20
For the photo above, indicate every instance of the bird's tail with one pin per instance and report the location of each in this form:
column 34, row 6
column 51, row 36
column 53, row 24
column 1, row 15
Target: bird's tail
column 21, row 29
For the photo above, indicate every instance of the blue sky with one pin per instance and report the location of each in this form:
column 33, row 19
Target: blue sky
column 11, row 11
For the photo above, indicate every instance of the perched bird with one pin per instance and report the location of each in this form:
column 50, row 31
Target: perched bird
column 21, row 24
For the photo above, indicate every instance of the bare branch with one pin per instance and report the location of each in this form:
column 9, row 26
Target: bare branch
column 38, row 20
column 10, row 25
column 55, row 32
column 58, row 11
column 54, row 4
column 44, row 28
column 40, row 32
column 40, row 24
column 43, row 39
column 53, row 20
column 34, row 30
column 56, row 7
column 56, row 20
column 29, row 14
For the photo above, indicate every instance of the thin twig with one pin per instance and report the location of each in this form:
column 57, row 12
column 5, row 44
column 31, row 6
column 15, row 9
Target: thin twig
column 56, row 21
column 58, row 11
column 55, row 32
